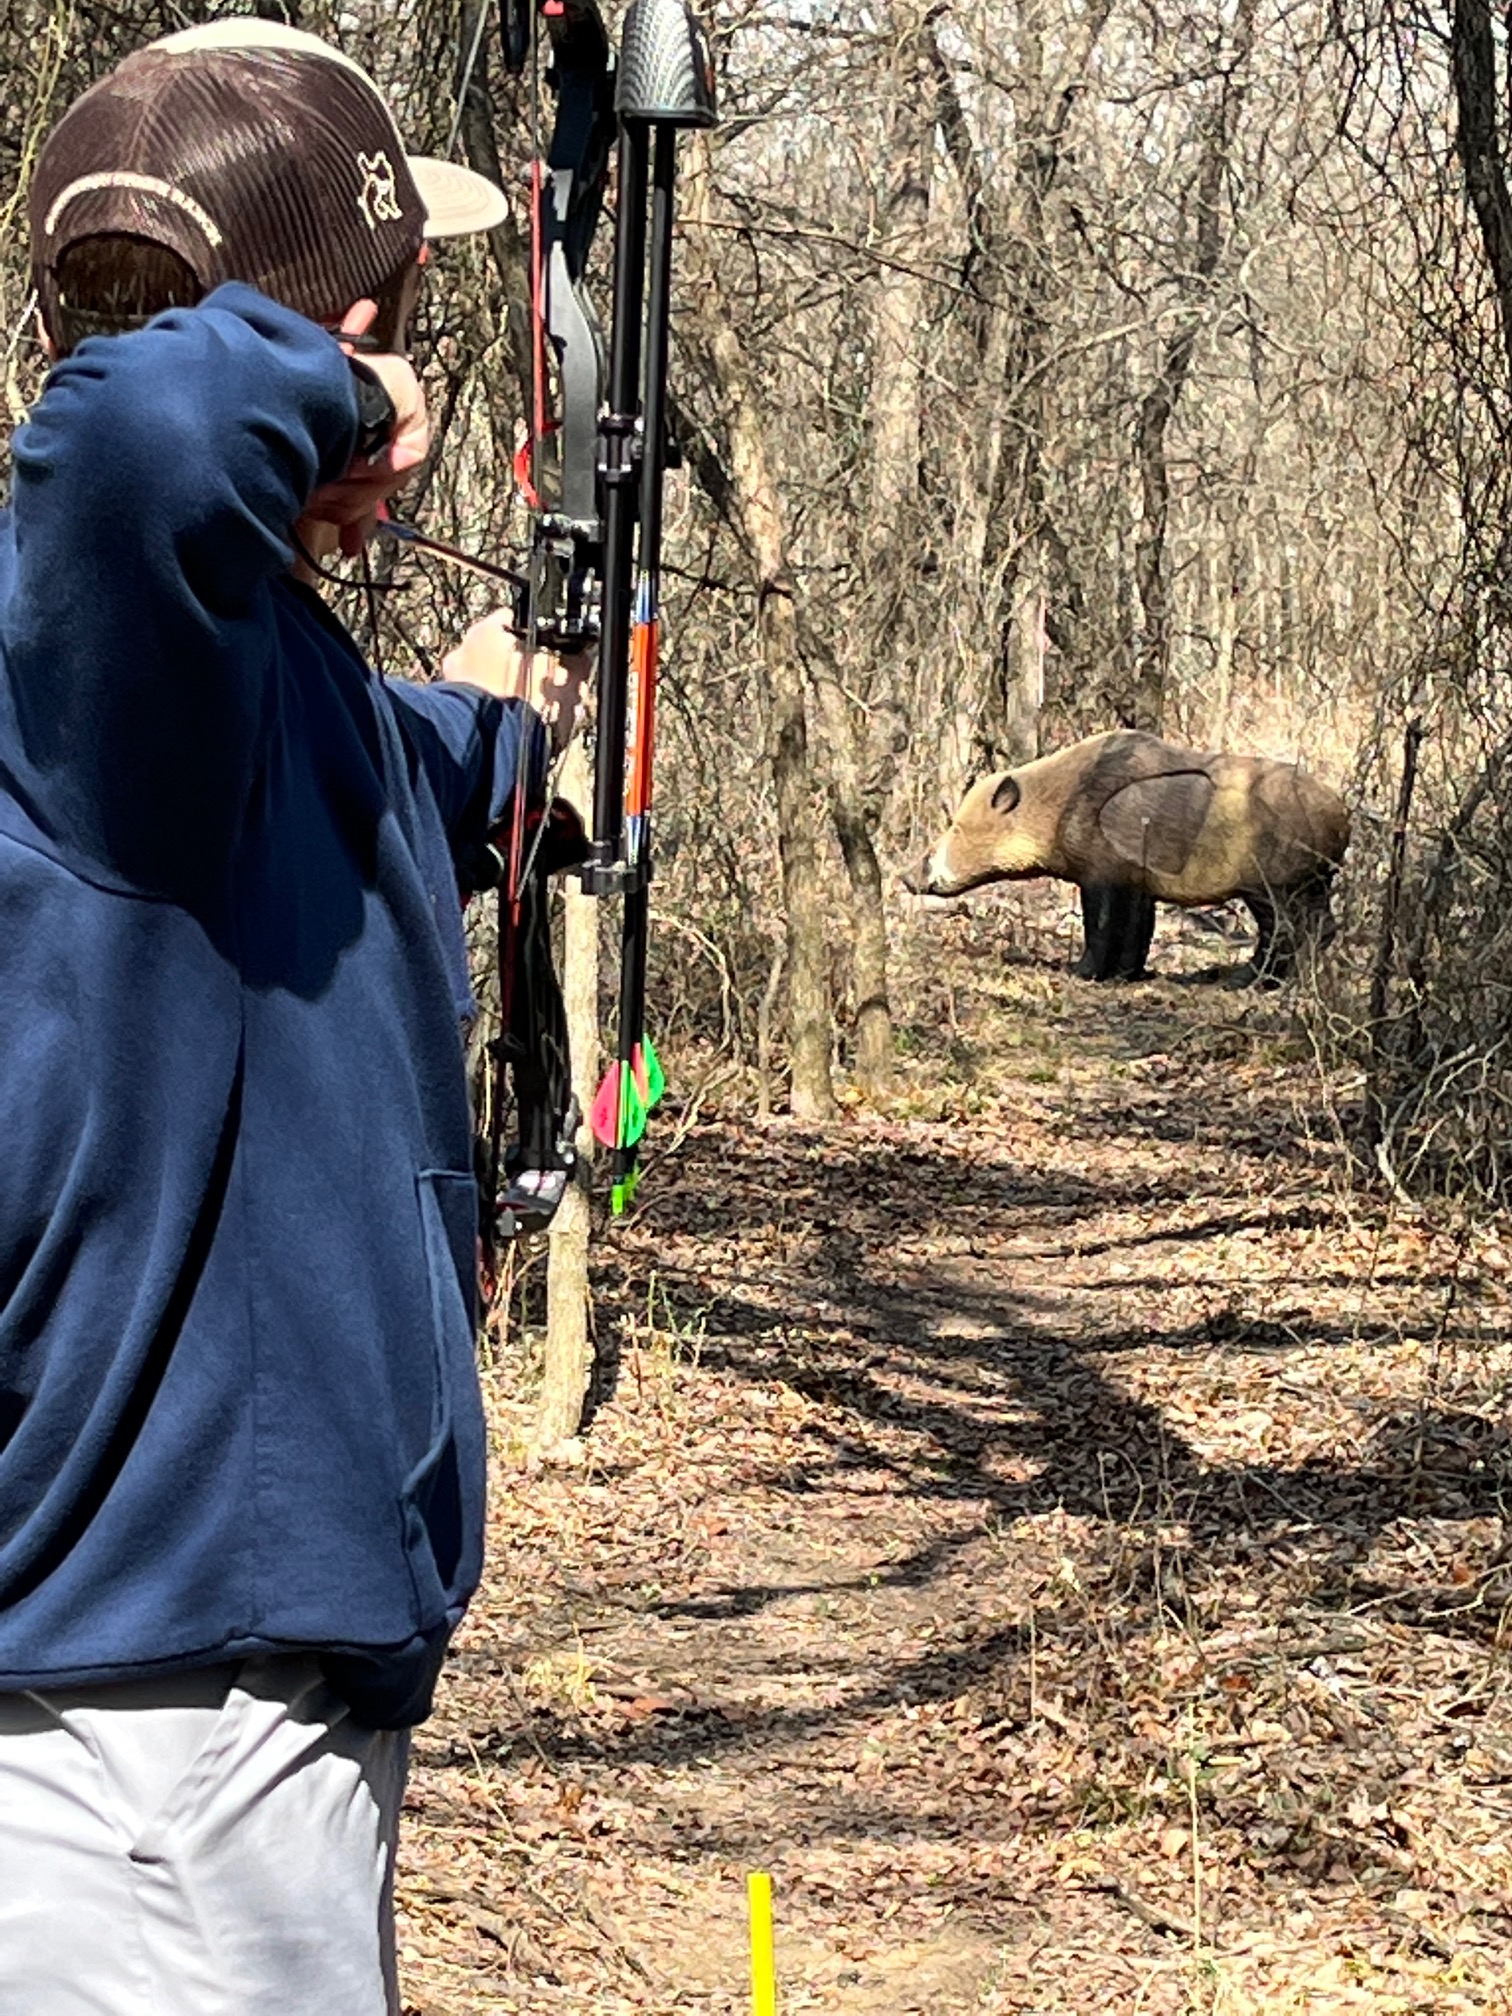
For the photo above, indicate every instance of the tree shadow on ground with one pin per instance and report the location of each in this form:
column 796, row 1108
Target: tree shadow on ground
column 895, row 1304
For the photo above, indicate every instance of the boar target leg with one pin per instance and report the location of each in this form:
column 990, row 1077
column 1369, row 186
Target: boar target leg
column 1117, row 925
column 1271, row 960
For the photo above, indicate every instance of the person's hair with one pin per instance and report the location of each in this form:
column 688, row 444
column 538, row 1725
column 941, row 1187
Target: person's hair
column 114, row 283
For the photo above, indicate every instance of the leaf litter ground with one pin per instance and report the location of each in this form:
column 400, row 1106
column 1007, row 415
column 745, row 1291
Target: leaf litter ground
column 1055, row 1528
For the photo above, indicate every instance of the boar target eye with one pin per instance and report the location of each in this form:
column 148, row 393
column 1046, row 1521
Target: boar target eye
column 1006, row 796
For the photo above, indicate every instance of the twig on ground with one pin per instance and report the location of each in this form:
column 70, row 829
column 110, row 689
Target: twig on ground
column 1154, row 1915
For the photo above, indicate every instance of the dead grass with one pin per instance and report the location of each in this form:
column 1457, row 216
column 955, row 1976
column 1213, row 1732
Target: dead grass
column 1053, row 1527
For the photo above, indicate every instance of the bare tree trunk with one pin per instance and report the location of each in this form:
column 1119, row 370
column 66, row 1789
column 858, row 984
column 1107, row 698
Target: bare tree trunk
column 810, row 1018
column 1012, row 251
column 1159, row 403
column 1025, row 694
column 1381, row 1056
column 898, row 302
column 1226, row 617
column 504, row 241
column 1016, row 508
column 889, row 529
column 1155, row 411
column 1473, row 54
column 853, row 819
column 758, row 508
column 569, row 1346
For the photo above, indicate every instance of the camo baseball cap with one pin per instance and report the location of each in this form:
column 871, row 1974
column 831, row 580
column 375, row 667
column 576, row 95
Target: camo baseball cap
column 254, row 152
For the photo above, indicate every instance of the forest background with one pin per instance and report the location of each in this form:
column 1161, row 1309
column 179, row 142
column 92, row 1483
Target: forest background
column 1061, row 1532
column 1038, row 368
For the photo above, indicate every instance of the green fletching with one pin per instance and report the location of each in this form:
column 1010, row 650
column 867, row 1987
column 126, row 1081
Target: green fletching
column 656, row 1079
column 632, row 1110
column 642, row 1082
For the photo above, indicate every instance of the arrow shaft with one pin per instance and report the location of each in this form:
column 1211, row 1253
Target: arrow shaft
column 646, row 635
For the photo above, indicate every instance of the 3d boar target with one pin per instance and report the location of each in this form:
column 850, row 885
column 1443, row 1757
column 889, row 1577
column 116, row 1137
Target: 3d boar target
column 1133, row 820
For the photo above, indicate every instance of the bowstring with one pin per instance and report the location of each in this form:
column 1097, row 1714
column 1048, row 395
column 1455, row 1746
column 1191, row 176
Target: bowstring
column 521, row 864
column 464, row 82
column 370, row 599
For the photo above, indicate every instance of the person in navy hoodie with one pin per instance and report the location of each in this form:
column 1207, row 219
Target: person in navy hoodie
column 241, row 1436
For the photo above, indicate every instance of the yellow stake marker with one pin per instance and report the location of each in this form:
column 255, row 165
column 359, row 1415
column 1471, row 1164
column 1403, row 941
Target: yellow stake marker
column 763, row 1965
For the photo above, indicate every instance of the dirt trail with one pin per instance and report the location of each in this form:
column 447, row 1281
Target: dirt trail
column 1048, row 1529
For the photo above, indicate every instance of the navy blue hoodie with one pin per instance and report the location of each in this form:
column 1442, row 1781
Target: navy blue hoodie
column 239, row 1408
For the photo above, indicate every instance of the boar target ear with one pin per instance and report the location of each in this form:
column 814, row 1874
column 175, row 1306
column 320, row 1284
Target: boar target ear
column 1007, row 796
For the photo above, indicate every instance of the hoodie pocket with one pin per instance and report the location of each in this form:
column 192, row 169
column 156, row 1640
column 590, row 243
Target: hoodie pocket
column 441, row 1499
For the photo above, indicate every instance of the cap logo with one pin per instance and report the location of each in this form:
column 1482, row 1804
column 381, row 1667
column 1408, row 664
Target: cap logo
column 379, row 198
column 149, row 185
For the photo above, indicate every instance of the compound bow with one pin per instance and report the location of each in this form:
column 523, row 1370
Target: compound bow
column 592, row 476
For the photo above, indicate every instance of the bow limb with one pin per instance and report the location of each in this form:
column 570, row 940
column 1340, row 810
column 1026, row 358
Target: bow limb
column 558, row 468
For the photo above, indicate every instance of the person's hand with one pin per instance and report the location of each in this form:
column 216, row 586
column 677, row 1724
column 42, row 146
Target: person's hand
column 492, row 657
column 350, row 504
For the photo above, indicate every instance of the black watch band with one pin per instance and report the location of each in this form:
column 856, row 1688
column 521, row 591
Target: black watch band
column 376, row 412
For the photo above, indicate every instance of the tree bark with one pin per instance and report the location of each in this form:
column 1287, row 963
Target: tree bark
column 1473, row 56
column 759, row 513
column 810, row 1016
column 1155, row 411
column 1382, row 1056
column 1160, row 402
column 505, row 241
column 889, row 529
column 853, row 818
column 1008, row 547
column 1024, row 689
column 898, row 301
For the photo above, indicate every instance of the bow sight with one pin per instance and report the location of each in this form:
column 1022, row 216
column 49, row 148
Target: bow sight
column 592, row 474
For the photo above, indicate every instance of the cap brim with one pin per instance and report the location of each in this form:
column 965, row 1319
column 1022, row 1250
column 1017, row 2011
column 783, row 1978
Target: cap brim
column 457, row 199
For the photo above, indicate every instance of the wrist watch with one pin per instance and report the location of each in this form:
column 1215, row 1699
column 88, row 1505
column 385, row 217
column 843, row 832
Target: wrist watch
column 376, row 412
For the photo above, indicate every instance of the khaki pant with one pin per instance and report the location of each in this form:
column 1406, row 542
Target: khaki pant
column 209, row 1844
